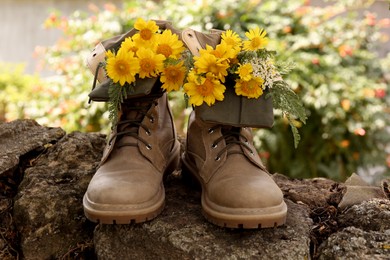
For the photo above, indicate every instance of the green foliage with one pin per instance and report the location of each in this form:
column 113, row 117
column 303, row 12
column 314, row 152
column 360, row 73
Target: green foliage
column 14, row 85
column 343, row 85
column 289, row 104
column 116, row 99
column 337, row 74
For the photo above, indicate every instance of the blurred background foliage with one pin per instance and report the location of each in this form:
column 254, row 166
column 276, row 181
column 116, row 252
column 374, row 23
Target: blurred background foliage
column 341, row 79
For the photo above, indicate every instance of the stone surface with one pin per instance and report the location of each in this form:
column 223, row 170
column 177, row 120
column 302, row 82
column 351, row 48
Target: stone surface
column 356, row 244
column 181, row 232
column 48, row 207
column 358, row 191
column 366, row 236
column 45, row 219
column 20, row 141
column 23, row 136
column 372, row 215
column 315, row 193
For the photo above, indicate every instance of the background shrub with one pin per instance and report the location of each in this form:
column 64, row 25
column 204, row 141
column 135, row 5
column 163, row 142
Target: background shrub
column 338, row 75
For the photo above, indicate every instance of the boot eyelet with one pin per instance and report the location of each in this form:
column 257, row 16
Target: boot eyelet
column 217, row 158
column 252, row 153
column 214, row 146
column 151, row 120
column 149, row 146
column 211, row 130
column 148, row 133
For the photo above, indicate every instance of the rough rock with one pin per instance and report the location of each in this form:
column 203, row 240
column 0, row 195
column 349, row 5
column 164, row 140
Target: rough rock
column 48, row 207
column 354, row 243
column 20, row 141
column 182, row 232
column 358, row 191
column 20, row 137
column 45, row 219
column 366, row 236
column 315, row 192
column 372, row 215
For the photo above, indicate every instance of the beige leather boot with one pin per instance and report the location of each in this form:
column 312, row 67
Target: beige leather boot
column 237, row 190
column 128, row 186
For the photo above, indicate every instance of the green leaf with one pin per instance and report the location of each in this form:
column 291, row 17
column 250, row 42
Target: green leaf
column 289, row 103
column 117, row 94
column 286, row 100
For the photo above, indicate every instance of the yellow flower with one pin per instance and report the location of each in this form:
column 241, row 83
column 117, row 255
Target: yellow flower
column 245, row 71
column 169, row 45
column 150, row 63
column 256, row 39
column 232, row 39
column 173, row 76
column 222, row 51
column 207, row 62
column 201, row 89
column 129, row 45
column 147, row 32
column 250, row 89
column 122, row 67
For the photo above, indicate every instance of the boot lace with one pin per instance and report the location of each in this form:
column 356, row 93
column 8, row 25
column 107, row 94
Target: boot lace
column 231, row 135
column 130, row 126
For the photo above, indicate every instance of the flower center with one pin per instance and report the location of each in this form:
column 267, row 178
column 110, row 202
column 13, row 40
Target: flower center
column 147, row 65
column 249, row 86
column 256, row 42
column 165, row 50
column 121, row 67
column 172, row 74
column 230, row 42
column 206, row 89
column 145, row 34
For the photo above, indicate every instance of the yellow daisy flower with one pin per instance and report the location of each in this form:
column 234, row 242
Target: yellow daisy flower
column 250, row 89
column 256, row 39
column 169, row 45
column 201, row 89
column 232, row 39
column 222, row 51
column 173, row 76
column 122, row 67
column 150, row 63
column 147, row 32
column 207, row 62
column 245, row 71
column 147, row 29
column 129, row 45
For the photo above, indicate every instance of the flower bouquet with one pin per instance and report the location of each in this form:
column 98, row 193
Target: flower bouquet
column 238, row 82
column 137, row 61
column 233, row 75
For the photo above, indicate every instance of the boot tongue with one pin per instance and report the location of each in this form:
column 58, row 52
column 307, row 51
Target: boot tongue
column 231, row 137
column 133, row 114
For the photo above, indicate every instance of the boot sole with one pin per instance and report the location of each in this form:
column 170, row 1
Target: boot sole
column 123, row 214
column 129, row 214
column 243, row 218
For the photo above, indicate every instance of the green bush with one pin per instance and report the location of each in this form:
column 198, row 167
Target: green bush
column 338, row 75
column 341, row 81
column 16, row 89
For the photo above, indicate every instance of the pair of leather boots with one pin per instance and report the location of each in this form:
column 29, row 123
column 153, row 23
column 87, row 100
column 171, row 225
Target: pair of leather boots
column 128, row 187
